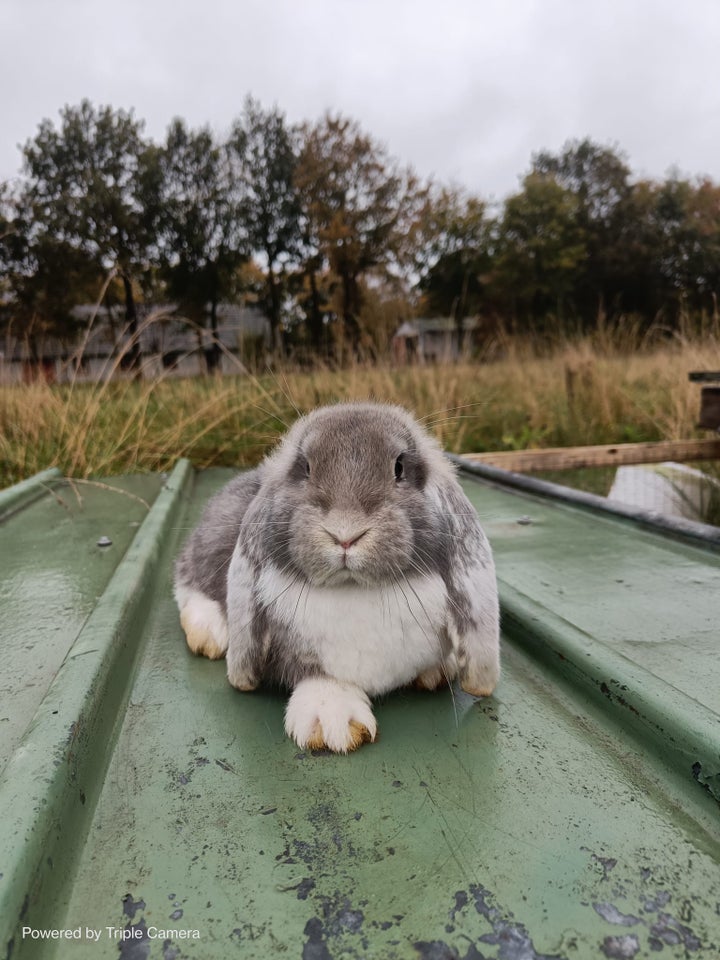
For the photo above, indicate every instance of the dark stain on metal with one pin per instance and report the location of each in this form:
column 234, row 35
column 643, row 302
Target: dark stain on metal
column 136, row 944
column 338, row 919
column 711, row 784
column 512, row 938
column 131, row 907
column 623, row 703
column 608, row 864
column 509, row 937
column 664, row 930
column 170, row 951
column 611, row 913
column 248, row 933
column 267, row 811
column 304, row 887
column 607, row 692
column 176, row 914
column 347, row 918
column 670, row 931
column 621, row 948
column 315, row 948
column 660, row 900
column 438, row 950
column 461, row 901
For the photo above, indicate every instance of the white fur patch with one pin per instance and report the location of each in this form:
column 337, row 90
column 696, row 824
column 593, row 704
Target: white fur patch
column 324, row 709
column 377, row 638
column 203, row 621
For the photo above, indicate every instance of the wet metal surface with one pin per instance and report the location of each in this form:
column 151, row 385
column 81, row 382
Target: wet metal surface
column 563, row 817
column 52, row 572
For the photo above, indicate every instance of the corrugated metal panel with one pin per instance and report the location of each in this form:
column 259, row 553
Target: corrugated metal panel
column 573, row 814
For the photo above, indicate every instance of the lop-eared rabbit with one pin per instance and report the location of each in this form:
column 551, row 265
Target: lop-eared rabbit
column 349, row 563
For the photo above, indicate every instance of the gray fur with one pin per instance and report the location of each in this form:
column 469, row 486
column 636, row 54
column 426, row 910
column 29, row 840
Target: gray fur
column 278, row 515
column 204, row 560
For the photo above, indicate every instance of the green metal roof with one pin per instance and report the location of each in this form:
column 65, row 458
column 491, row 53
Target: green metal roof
column 573, row 814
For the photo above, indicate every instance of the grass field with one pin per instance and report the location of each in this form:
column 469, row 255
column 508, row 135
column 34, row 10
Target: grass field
column 582, row 391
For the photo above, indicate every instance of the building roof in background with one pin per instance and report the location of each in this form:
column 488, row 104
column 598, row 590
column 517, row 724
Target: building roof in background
column 420, row 325
column 161, row 328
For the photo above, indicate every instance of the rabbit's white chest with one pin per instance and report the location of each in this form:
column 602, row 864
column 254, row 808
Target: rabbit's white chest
column 375, row 637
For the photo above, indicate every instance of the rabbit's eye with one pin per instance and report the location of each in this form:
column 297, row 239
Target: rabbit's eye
column 300, row 469
column 399, row 468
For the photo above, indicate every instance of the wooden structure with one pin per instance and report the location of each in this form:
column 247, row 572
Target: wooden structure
column 620, row 454
column 601, row 455
column 709, row 398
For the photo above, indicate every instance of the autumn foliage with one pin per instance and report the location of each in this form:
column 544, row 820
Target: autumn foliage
column 336, row 241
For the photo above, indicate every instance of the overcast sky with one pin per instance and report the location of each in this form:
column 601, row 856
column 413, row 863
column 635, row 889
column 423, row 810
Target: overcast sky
column 464, row 90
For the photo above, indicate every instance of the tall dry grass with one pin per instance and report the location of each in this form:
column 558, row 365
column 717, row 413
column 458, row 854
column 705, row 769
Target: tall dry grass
column 610, row 387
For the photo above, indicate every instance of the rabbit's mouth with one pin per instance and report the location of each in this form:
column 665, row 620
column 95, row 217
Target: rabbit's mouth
column 347, row 570
column 343, row 576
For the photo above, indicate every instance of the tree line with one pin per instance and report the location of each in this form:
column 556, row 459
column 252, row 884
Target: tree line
column 334, row 239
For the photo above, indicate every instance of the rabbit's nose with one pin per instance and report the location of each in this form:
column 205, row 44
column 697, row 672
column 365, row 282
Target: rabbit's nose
column 344, row 538
column 345, row 527
column 346, row 544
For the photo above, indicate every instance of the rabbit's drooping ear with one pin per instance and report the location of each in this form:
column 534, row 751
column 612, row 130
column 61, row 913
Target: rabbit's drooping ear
column 201, row 569
column 473, row 609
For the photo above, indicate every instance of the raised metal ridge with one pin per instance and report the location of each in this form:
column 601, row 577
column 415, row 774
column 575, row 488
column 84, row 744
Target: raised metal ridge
column 689, row 530
column 49, row 786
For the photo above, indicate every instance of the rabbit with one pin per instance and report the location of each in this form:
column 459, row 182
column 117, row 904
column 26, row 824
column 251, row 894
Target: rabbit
column 348, row 564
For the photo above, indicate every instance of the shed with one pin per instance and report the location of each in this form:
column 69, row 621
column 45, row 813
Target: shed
column 149, row 810
column 170, row 343
column 430, row 339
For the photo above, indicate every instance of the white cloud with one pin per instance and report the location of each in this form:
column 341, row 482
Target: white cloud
column 462, row 89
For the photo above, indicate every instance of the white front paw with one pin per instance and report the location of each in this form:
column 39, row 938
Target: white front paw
column 204, row 623
column 324, row 713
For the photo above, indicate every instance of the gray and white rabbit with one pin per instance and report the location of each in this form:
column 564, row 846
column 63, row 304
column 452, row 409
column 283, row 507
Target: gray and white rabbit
column 347, row 564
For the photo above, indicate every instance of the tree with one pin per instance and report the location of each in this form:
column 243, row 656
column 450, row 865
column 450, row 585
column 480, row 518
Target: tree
column 703, row 215
column 685, row 219
column 356, row 207
column 540, row 250
column 89, row 187
column 264, row 157
column 598, row 178
column 41, row 278
column 202, row 241
column 8, row 233
column 453, row 253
